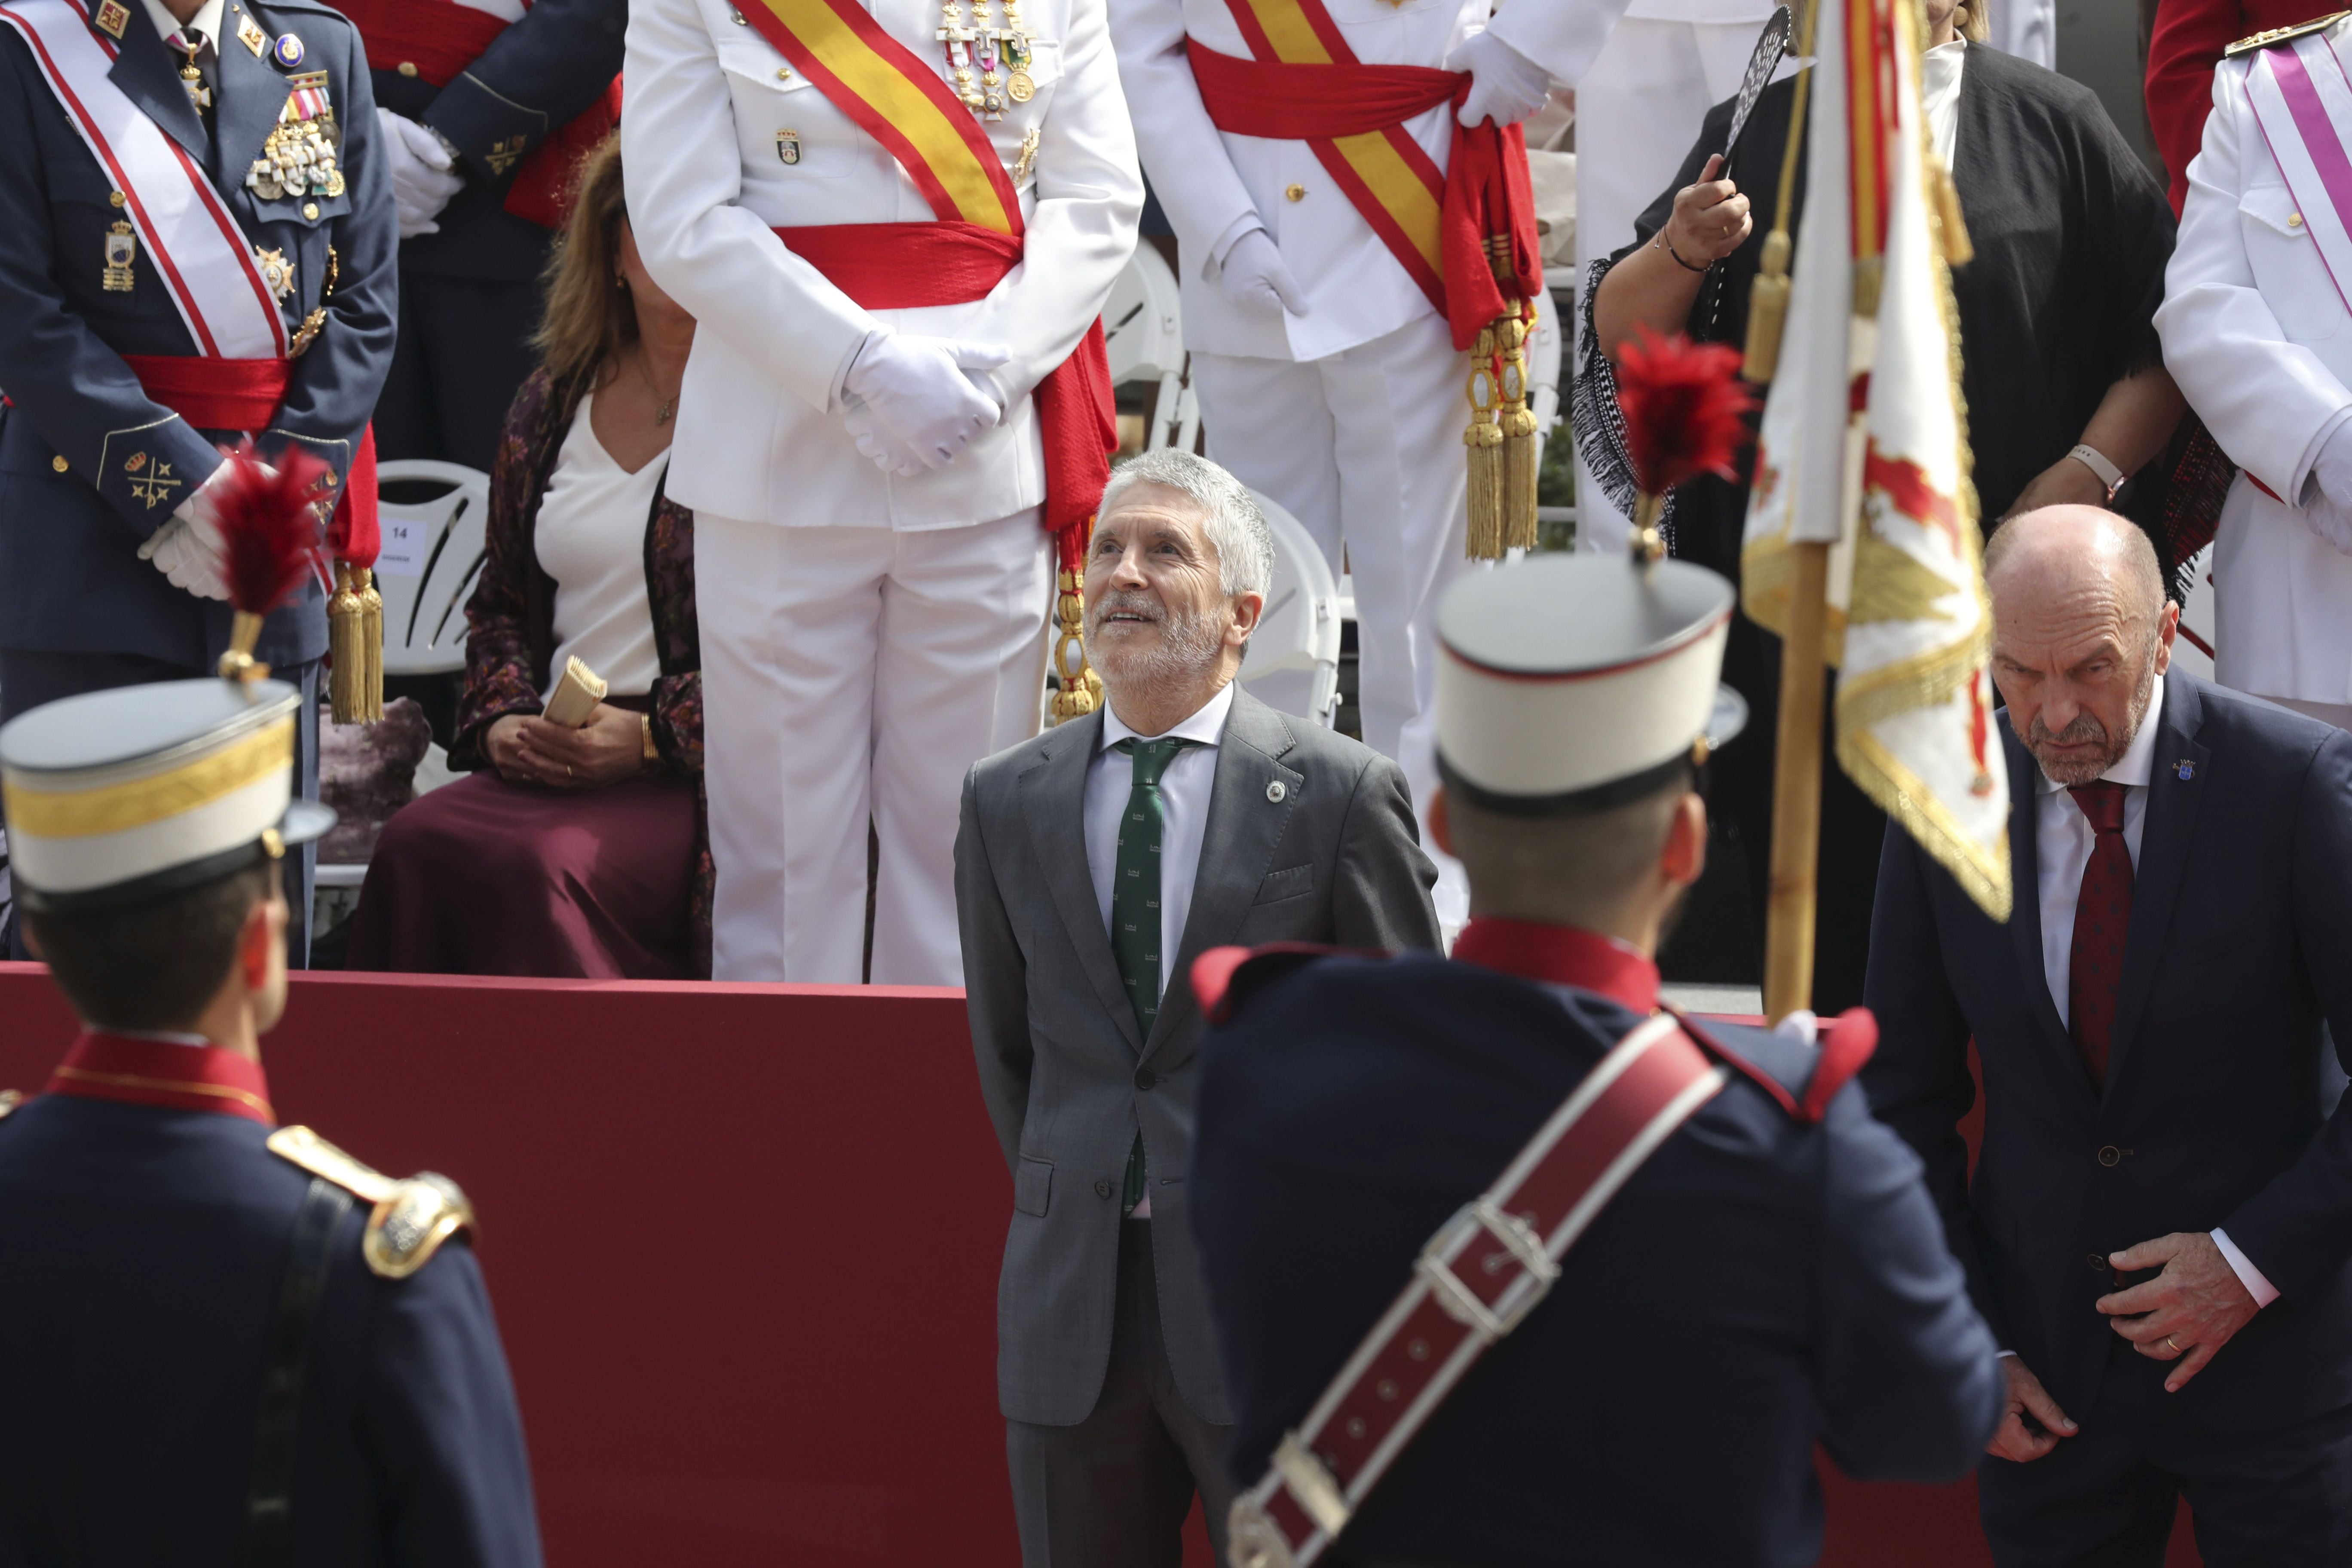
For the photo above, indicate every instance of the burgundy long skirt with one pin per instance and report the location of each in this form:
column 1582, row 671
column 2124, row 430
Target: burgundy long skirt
column 483, row 877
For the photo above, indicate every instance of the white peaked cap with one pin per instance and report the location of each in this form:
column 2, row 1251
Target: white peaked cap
column 120, row 795
column 1574, row 683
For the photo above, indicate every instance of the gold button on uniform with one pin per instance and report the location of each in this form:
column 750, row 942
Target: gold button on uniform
column 1296, row 193
column 783, row 73
column 2111, row 1155
column 60, row 463
column 309, row 209
column 115, row 198
column 406, row 68
column 2294, row 220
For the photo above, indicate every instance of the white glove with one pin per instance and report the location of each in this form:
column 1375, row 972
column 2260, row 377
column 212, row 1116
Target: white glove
column 1254, row 273
column 914, row 407
column 2329, row 512
column 1505, row 85
column 423, row 175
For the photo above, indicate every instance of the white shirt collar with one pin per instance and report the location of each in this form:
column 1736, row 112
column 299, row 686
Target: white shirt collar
column 2137, row 764
column 1206, row 725
column 206, row 20
column 163, row 1036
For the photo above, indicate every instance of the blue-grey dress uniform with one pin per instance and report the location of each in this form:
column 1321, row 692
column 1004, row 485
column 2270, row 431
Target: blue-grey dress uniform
column 86, row 455
column 469, row 291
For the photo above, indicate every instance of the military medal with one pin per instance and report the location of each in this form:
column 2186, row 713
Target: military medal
column 276, row 271
column 287, row 52
column 788, row 146
column 1021, row 165
column 252, row 37
column 122, row 250
column 299, row 158
column 191, row 79
column 113, row 17
column 959, row 40
column 1020, row 87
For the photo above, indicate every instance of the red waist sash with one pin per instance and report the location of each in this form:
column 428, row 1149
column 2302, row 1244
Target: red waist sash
column 441, row 38
column 161, row 1072
column 1487, row 190
column 908, row 265
column 244, row 395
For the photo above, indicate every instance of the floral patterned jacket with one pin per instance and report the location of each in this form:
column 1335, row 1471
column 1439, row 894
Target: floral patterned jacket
column 510, row 619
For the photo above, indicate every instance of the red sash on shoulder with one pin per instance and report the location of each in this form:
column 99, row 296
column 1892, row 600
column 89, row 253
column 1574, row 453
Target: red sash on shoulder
column 1306, row 84
column 244, row 395
column 441, row 38
column 159, row 1072
column 905, row 104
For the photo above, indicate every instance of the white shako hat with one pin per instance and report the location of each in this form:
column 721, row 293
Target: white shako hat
column 1575, row 683
column 117, row 798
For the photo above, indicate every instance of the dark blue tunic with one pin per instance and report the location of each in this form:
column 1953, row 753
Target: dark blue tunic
column 1762, row 1283
column 141, row 1255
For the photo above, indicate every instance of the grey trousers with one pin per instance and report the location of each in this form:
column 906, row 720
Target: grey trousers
column 1113, row 1491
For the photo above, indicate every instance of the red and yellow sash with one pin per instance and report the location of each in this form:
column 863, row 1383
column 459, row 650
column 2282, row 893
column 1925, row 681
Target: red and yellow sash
column 1465, row 235
column 899, row 101
column 904, row 103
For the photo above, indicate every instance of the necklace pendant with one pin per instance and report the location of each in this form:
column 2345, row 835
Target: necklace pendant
column 662, row 415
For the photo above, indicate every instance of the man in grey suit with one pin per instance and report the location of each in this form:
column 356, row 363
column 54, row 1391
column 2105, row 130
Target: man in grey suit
column 1093, row 865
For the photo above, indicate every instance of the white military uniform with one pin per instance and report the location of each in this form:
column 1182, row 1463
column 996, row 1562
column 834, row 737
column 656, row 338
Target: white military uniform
column 865, row 638
column 1350, row 416
column 2256, row 331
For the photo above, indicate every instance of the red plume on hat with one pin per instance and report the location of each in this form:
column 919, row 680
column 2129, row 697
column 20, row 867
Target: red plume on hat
column 1685, row 414
column 268, row 525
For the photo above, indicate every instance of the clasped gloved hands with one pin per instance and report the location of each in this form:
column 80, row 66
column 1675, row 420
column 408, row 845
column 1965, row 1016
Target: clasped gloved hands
column 423, row 175
column 188, row 549
column 915, row 403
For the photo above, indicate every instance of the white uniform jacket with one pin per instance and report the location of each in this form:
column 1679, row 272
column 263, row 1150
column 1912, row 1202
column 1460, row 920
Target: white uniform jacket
column 1215, row 186
column 2261, row 341
column 760, row 432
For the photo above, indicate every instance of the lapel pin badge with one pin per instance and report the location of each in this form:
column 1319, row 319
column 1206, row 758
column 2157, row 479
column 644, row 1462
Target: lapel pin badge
column 1276, row 791
column 2186, row 769
column 288, row 51
column 113, row 17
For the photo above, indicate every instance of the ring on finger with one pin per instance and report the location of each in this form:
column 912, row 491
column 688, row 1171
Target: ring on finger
column 2174, row 1344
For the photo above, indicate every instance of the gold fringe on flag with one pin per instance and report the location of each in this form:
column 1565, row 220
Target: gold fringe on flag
column 355, row 647
column 1081, row 688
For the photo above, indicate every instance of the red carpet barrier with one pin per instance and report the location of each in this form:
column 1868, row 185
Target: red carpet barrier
column 743, row 1244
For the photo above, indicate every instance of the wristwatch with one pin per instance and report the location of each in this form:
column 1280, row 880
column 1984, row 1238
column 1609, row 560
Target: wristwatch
column 2096, row 461
column 652, row 754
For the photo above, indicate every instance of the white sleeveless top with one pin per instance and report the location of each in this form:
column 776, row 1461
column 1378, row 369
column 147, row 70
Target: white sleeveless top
column 591, row 538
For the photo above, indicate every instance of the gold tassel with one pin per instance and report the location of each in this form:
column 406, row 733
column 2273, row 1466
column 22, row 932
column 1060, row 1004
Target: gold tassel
column 1768, row 310
column 1484, row 440
column 371, row 642
column 237, row 661
column 1081, row 688
column 1959, row 249
column 346, row 656
column 1522, row 453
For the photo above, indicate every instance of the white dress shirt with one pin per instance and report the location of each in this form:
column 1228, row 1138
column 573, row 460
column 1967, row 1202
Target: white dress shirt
column 1184, row 813
column 207, row 21
column 1940, row 95
column 2062, row 837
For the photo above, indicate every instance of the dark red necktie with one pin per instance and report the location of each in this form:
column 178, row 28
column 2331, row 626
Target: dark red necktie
column 2102, row 918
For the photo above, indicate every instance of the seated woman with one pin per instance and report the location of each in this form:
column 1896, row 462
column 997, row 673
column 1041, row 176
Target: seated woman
column 2058, row 348
column 577, row 853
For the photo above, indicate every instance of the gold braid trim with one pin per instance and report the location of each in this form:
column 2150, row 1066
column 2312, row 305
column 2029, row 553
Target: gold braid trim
column 1982, row 874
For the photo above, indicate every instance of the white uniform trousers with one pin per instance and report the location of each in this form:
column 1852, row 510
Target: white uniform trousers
column 849, row 675
column 1638, row 113
column 1365, row 449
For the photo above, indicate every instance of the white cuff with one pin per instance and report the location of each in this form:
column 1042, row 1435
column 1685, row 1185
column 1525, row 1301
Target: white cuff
column 1214, row 264
column 2003, row 1355
column 2262, row 1289
column 2303, row 483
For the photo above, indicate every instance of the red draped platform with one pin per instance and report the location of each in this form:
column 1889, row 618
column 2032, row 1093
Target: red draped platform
column 743, row 1244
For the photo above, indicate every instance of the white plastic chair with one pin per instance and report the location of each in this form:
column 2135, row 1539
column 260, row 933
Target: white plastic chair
column 433, row 551
column 1296, row 645
column 1143, row 330
column 2197, row 617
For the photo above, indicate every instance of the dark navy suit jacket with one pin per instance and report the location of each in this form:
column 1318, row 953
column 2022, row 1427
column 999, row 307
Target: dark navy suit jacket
column 70, row 579
column 145, row 1251
column 541, row 74
column 1760, row 1284
column 2238, row 954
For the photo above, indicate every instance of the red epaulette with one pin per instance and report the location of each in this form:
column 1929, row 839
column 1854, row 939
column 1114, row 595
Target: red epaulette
column 1848, row 1044
column 1214, row 972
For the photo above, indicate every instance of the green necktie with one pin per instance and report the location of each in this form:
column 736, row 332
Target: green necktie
column 1135, row 921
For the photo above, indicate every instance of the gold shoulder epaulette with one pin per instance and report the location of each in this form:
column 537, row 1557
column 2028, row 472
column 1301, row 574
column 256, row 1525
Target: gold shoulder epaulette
column 10, row 1099
column 411, row 1219
column 2281, row 35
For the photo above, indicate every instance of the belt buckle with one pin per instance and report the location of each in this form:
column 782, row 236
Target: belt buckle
column 1459, row 1301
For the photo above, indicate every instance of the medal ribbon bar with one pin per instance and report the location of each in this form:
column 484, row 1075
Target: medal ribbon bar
column 1476, row 1280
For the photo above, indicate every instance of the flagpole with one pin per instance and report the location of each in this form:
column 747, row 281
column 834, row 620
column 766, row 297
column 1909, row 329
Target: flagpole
column 1797, row 790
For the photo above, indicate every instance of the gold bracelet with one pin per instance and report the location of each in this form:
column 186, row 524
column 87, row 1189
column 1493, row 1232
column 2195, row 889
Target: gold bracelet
column 652, row 753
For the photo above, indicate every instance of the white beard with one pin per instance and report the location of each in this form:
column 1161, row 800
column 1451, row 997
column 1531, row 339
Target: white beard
column 1188, row 645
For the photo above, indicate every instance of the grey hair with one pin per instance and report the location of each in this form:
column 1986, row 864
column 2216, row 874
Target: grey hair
column 1230, row 514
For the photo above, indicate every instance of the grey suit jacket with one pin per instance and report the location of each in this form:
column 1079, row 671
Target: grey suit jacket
column 1067, row 1077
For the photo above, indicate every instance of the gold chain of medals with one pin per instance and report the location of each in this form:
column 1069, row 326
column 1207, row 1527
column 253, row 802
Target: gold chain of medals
column 988, row 64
